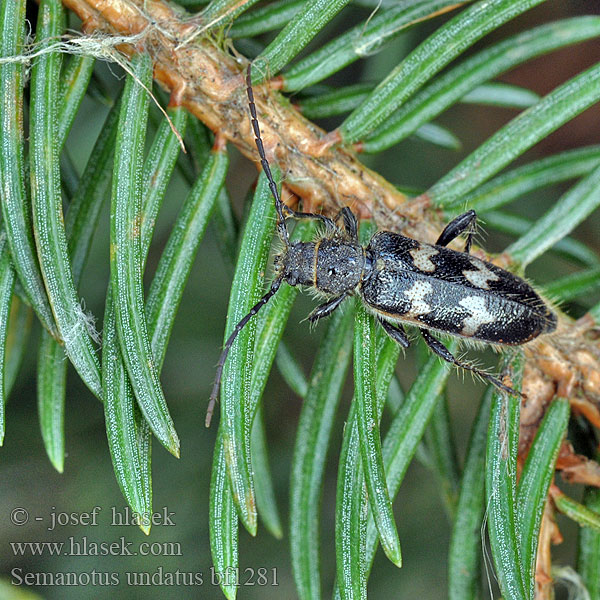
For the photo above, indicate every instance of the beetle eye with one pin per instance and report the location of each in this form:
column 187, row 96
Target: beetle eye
column 331, row 272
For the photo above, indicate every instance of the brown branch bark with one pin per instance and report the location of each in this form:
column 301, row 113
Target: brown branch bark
column 549, row 535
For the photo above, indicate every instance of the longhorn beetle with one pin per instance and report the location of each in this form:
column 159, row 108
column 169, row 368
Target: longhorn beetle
column 402, row 280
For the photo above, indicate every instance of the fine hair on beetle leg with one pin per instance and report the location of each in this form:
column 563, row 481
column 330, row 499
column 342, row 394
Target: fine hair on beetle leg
column 439, row 348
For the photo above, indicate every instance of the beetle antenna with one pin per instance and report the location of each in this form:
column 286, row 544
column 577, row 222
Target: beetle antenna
column 281, row 228
column 227, row 347
column 283, row 235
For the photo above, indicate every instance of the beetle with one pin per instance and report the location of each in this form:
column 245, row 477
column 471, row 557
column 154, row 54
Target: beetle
column 402, row 280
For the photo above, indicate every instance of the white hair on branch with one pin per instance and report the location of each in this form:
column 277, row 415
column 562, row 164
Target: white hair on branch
column 98, row 45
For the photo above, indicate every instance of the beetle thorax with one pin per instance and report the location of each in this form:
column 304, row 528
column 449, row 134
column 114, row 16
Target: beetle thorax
column 297, row 263
column 331, row 266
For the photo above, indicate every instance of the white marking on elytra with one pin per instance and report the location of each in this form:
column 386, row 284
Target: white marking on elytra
column 481, row 276
column 479, row 315
column 416, row 294
column 421, row 256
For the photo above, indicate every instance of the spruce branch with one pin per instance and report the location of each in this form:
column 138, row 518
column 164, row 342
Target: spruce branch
column 209, row 82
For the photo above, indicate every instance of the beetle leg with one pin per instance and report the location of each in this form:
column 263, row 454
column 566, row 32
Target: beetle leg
column 349, row 221
column 303, row 215
column 443, row 352
column 456, row 227
column 325, row 309
column 396, row 333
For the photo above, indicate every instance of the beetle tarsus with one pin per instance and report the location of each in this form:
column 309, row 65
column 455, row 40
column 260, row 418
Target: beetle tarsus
column 459, row 224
